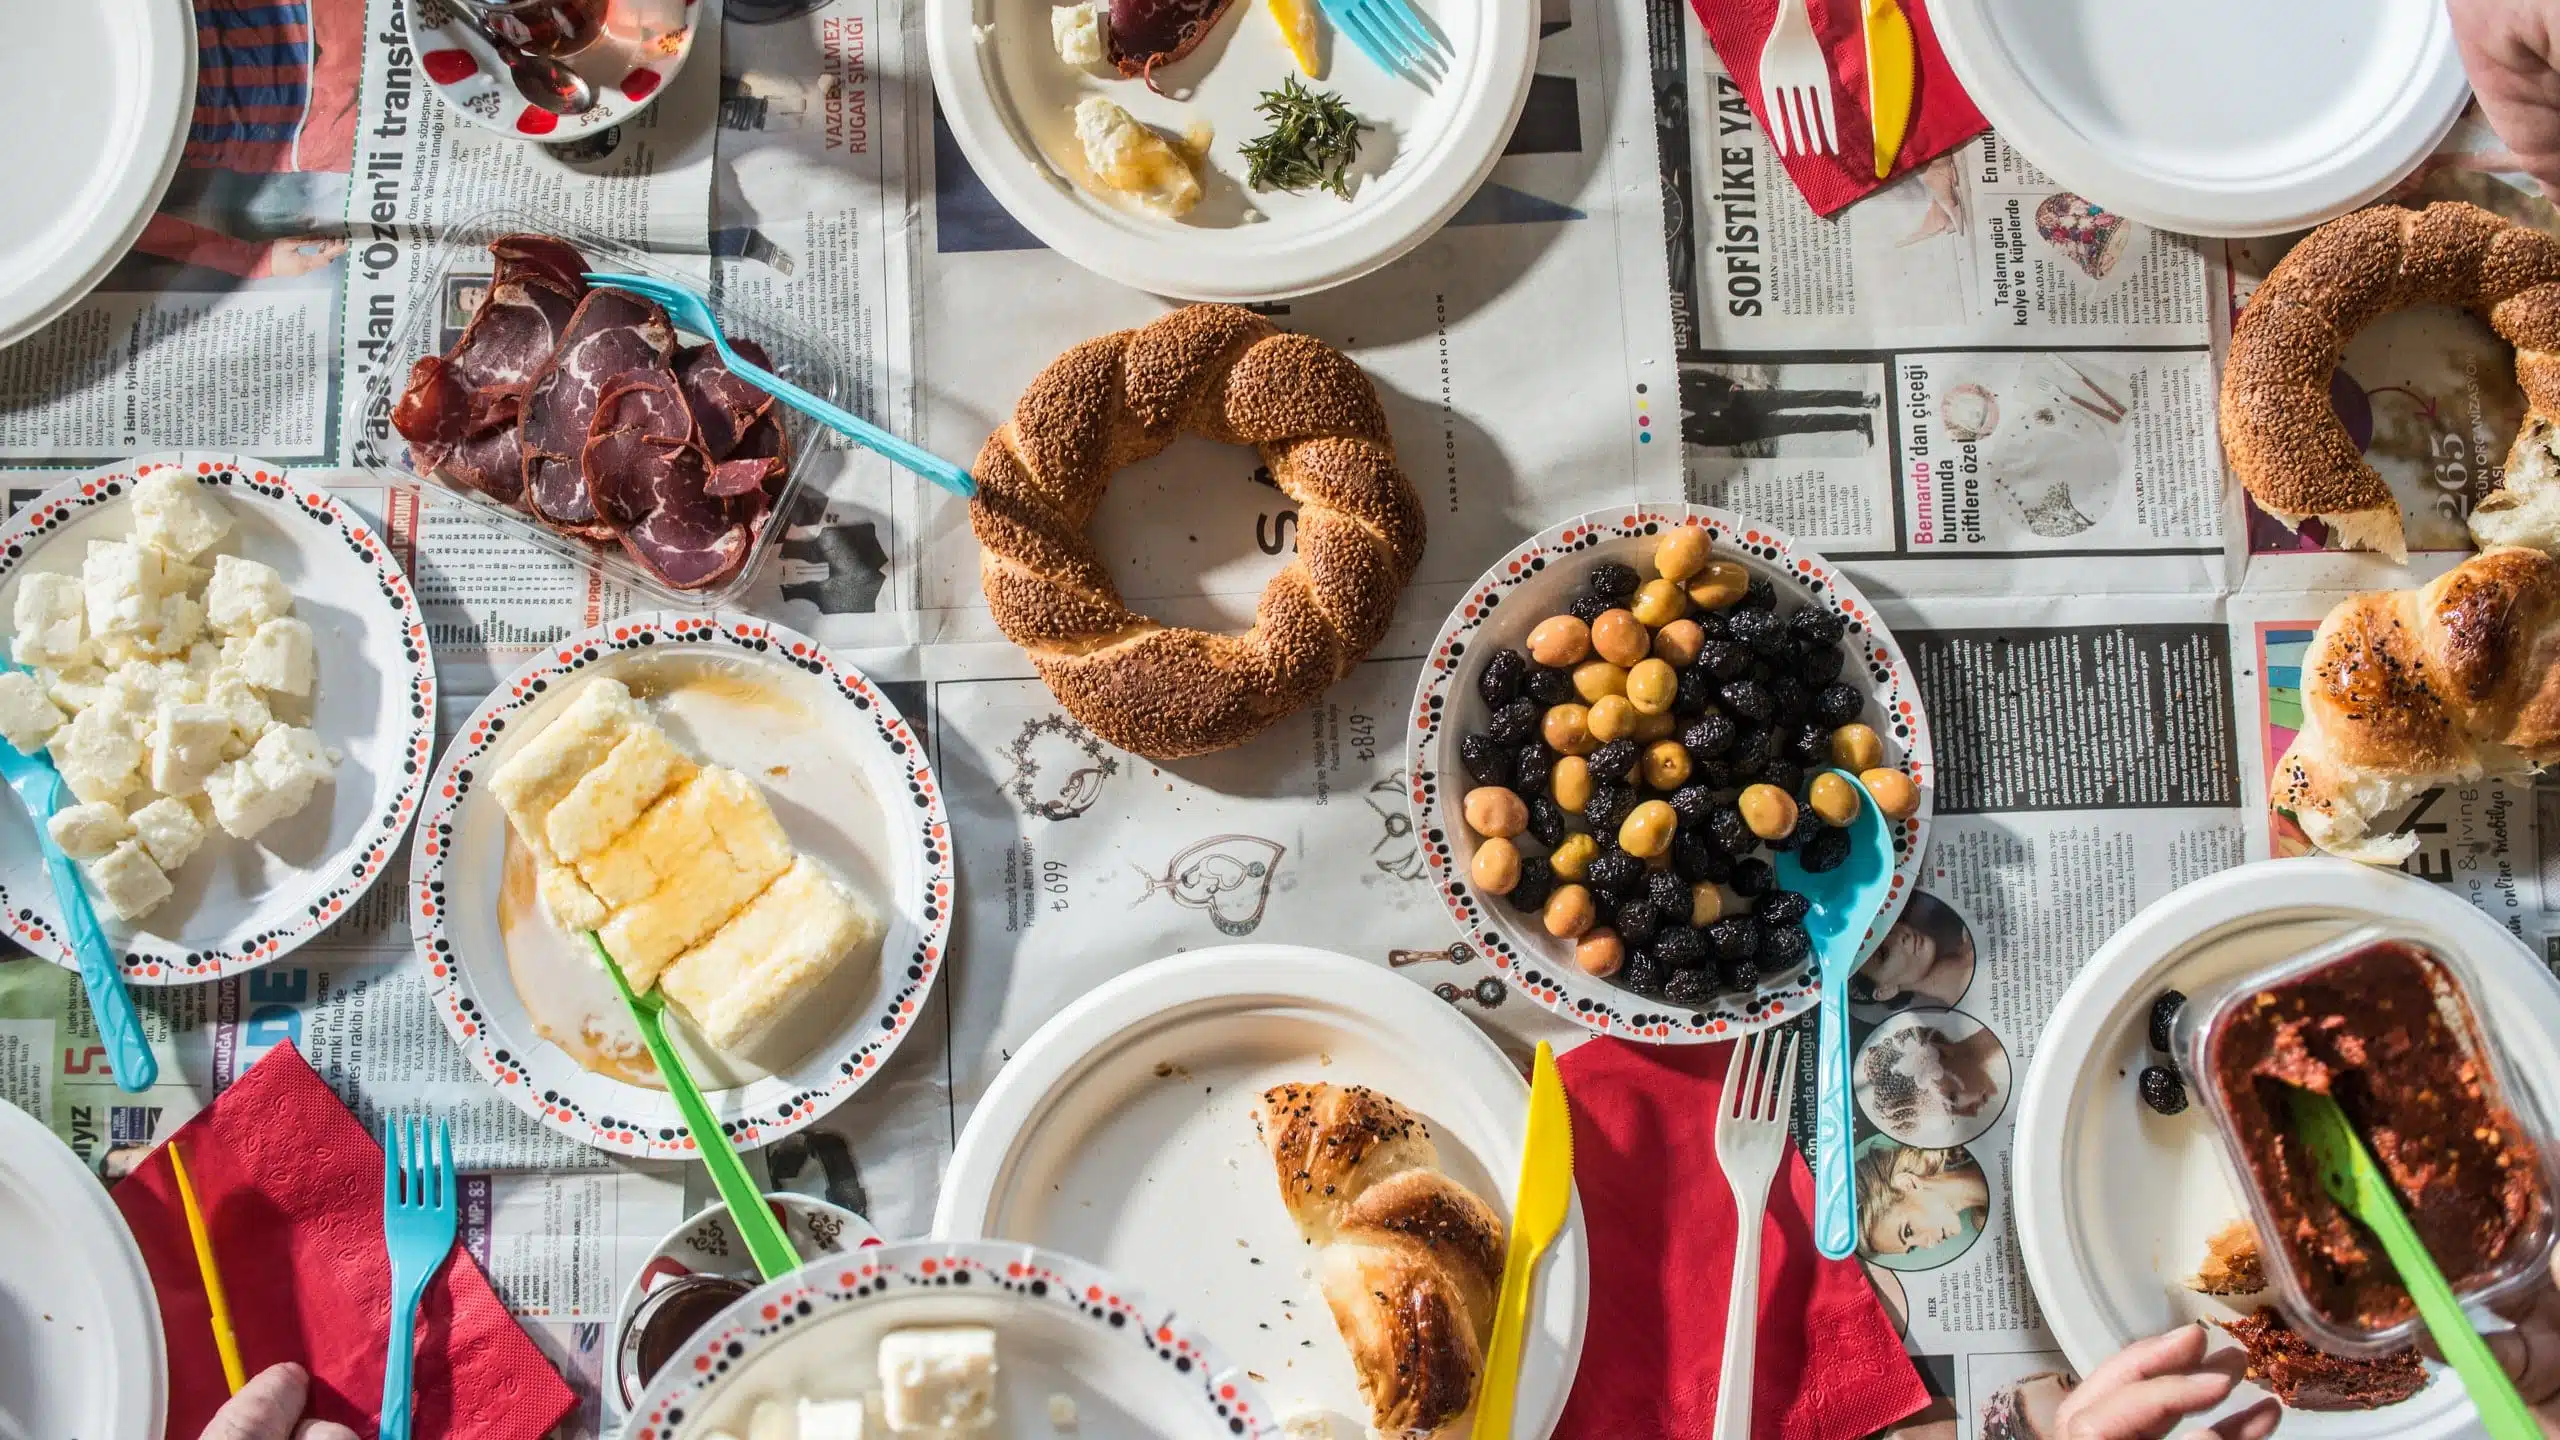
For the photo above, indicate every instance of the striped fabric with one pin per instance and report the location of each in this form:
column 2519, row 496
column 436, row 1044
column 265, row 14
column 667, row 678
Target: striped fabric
column 258, row 65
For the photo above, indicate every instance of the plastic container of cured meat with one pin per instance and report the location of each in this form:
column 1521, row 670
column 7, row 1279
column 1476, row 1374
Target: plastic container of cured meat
column 456, row 276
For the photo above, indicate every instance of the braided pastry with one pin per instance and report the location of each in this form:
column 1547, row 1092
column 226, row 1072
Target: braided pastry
column 1409, row 1260
column 2284, row 440
column 2403, row 690
column 1229, row 375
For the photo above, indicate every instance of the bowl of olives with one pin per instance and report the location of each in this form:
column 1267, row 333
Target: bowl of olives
column 1619, row 726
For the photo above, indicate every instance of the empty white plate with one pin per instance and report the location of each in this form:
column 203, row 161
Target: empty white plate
column 77, row 1318
column 98, row 94
column 2210, row 117
column 1123, row 1131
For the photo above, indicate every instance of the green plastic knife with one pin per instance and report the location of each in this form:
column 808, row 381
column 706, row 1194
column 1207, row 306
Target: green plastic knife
column 2352, row 1178
column 771, row 1248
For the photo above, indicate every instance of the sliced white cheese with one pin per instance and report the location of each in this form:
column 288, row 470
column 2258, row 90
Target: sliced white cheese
column 939, row 1378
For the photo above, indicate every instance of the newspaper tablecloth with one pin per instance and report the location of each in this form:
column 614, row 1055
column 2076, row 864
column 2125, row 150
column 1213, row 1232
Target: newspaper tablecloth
column 2004, row 428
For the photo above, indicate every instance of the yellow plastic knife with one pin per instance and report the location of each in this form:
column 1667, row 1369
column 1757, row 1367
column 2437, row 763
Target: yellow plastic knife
column 1546, row 1193
column 1891, row 69
column 226, row 1343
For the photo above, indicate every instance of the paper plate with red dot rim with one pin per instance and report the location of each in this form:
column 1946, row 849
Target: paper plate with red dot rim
column 1540, row 579
column 1125, row 1363
column 641, row 47
column 240, row 904
column 846, row 776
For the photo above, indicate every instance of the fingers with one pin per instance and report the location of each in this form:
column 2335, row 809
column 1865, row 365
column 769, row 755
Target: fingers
column 2148, row 1409
column 332, row 1430
column 2179, row 1349
column 265, row 1409
column 2255, row 1423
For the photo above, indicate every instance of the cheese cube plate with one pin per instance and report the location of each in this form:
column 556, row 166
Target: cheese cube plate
column 240, row 904
column 1136, row 1369
column 843, row 774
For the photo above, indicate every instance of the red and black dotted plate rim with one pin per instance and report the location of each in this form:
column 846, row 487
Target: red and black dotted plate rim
column 591, row 1108
column 1552, row 981
column 336, row 885
column 461, row 68
column 1230, row 1404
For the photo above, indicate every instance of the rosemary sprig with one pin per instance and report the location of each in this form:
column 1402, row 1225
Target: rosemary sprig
column 1313, row 140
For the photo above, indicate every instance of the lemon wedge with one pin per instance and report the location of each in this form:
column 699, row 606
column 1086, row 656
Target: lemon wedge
column 1297, row 22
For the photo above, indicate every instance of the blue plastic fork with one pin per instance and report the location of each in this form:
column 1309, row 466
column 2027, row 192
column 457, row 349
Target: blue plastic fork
column 39, row 788
column 690, row 312
column 1845, row 902
column 1394, row 35
column 417, row 1227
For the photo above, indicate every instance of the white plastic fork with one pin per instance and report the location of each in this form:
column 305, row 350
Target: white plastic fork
column 1751, row 1137
column 1795, row 86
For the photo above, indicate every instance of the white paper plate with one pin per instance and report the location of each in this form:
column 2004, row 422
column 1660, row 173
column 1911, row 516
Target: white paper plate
column 1540, row 579
column 98, row 95
column 1123, row 1131
column 2115, row 1202
column 708, row 1244
column 83, row 1328
column 643, row 45
column 850, row 784
column 240, row 904
column 1008, row 97
column 2210, row 117
column 1131, row 1367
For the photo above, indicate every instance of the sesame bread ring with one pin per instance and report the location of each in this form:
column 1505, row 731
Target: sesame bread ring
column 2284, row 440
column 1227, row 374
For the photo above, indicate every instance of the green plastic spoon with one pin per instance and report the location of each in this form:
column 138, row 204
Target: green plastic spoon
column 771, row 1248
column 2349, row 1174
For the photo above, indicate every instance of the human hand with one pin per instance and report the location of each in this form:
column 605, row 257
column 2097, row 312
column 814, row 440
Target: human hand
column 2509, row 47
column 269, row 1407
column 2148, row 1389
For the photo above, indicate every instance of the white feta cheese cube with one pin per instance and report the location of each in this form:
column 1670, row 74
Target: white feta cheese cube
column 121, row 584
column 831, row 1419
column 177, row 517
column 97, row 753
column 127, row 880
column 243, row 803
column 187, row 744
column 181, row 621
column 28, row 717
column 244, row 595
column 240, row 700
column 1062, row 1412
column 291, row 758
column 89, row 831
column 50, row 622
column 169, row 831
column 1077, row 31
column 279, row 657
column 939, row 1377
column 773, row 1420
column 75, row 689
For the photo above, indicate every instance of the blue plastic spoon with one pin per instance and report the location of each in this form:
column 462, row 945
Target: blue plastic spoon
column 39, row 788
column 690, row 312
column 1846, row 900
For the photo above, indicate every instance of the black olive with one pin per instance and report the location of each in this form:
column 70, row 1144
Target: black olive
column 1612, row 581
column 1727, row 829
column 1614, row 873
column 1760, row 630
column 1723, row 659
column 1707, row 737
column 1546, row 820
column 1638, row 919
column 1692, row 987
column 1789, row 695
column 1784, row 946
column 1825, row 851
column 1697, row 690
column 1740, row 976
column 1537, row 882
column 1487, row 759
column 1710, row 623
column 1669, row 894
column 1691, row 803
column 1750, row 877
column 1736, row 937
column 1680, row 947
column 1532, row 766
column 1588, row 607
column 1838, row 704
column 1752, row 750
column 1609, row 804
column 1499, row 681
column 1786, row 774
column 1550, row 687
column 1816, row 626
column 1615, row 760
column 1712, row 773
column 1697, row 859
column 1642, row 973
column 1819, row 665
column 1746, row 698
column 1761, row 594
column 1781, row 907
column 1811, row 745
column 1516, row 721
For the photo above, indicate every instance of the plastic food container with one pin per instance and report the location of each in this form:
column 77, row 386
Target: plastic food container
column 2209, row 1018
column 457, row 274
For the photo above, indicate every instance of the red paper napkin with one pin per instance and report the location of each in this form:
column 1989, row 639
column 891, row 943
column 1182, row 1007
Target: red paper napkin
column 1661, row 1222
column 291, row 1188
column 1942, row 115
